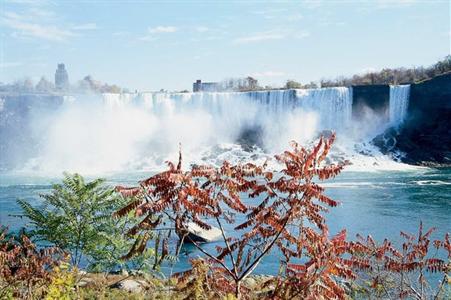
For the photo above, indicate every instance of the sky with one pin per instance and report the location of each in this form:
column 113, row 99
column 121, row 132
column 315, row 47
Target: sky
column 153, row 45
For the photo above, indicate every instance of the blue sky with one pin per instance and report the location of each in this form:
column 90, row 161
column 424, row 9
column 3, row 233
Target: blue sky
column 152, row 45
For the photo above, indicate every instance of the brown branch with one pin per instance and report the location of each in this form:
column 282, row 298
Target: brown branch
column 264, row 252
column 442, row 283
column 228, row 247
column 211, row 256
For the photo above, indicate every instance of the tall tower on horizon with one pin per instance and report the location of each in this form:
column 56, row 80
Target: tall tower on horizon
column 61, row 78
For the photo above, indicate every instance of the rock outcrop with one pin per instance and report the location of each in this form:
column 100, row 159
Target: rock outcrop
column 132, row 285
column 373, row 97
column 425, row 136
column 198, row 234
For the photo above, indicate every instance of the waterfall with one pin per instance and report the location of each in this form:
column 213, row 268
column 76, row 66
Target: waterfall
column 112, row 101
column 334, row 105
column 399, row 102
column 113, row 132
column 234, row 109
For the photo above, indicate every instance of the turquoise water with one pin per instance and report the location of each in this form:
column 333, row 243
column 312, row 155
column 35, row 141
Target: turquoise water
column 378, row 203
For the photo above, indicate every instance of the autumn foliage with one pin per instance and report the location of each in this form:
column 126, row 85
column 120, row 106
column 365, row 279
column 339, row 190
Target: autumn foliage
column 280, row 211
column 404, row 272
column 25, row 270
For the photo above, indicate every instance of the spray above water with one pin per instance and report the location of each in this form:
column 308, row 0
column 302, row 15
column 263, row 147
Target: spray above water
column 123, row 132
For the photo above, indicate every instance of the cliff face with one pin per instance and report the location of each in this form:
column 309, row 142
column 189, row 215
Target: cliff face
column 430, row 96
column 425, row 136
column 374, row 97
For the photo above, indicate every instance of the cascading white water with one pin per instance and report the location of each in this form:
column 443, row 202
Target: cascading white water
column 134, row 131
column 333, row 104
column 113, row 132
column 231, row 111
column 399, row 102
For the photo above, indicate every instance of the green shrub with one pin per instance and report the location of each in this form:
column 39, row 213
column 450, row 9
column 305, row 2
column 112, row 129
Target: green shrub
column 76, row 217
column 62, row 283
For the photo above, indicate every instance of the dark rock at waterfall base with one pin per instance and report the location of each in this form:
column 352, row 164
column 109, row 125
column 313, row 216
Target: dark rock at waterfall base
column 425, row 137
column 249, row 137
column 386, row 141
column 429, row 147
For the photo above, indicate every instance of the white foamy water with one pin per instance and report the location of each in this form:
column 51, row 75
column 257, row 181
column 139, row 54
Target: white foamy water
column 432, row 182
column 139, row 131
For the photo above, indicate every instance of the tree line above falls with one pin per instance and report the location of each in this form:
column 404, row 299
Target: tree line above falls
column 386, row 76
column 389, row 76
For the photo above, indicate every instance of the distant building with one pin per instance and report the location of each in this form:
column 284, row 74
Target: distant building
column 200, row 86
column 61, row 78
column 231, row 84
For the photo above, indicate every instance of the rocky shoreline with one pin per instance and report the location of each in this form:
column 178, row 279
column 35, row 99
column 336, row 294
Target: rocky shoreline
column 146, row 284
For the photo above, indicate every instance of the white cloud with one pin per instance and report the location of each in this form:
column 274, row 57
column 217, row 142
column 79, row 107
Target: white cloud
column 301, row 34
column 268, row 74
column 313, row 4
column 329, row 23
column 41, row 13
column 121, row 33
column 162, row 29
column 23, row 28
column 276, row 13
column 202, row 29
column 86, row 26
column 40, row 24
column 271, row 35
column 213, row 38
column 260, row 37
column 39, row 64
column 382, row 4
column 295, row 17
column 152, row 31
column 147, row 38
column 269, row 11
column 28, row 2
column 10, row 64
